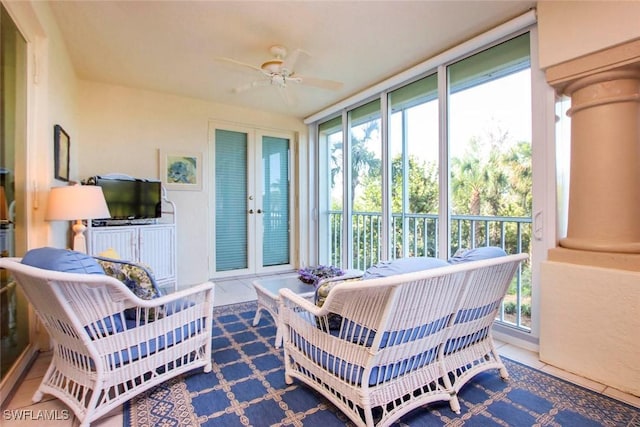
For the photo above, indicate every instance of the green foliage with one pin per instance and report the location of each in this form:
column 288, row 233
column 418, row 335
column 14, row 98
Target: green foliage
column 492, row 178
column 511, row 308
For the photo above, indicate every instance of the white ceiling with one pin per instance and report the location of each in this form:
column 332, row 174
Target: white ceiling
column 172, row 46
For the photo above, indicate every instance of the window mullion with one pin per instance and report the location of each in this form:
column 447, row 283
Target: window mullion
column 347, row 208
column 385, row 250
column 444, row 213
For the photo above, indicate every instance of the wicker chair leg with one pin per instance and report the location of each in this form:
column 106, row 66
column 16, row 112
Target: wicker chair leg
column 503, row 371
column 504, row 374
column 454, row 403
column 368, row 417
column 37, row 397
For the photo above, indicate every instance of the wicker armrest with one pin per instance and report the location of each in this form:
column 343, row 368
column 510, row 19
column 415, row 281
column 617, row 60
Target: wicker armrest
column 207, row 287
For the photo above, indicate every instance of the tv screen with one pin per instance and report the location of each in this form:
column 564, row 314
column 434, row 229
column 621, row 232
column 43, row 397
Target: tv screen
column 131, row 199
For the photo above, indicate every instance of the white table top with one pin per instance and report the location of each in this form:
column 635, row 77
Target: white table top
column 274, row 284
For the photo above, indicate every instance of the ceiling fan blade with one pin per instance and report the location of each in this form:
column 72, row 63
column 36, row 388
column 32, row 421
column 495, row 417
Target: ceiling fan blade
column 291, row 59
column 242, row 64
column 287, row 97
column 319, row 83
column 248, row 86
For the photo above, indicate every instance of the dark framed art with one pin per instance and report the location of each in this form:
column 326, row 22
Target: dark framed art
column 61, row 146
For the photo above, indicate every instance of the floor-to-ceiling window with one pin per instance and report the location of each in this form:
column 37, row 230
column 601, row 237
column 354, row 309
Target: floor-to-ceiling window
column 331, row 186
column 364, row 184
column 413, row 149
column 452, row 169
column 490, row 171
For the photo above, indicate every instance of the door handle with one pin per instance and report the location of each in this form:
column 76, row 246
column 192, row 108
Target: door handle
column 537, row 225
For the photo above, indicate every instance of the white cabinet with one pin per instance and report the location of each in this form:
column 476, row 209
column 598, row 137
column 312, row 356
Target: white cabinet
column 153, row 245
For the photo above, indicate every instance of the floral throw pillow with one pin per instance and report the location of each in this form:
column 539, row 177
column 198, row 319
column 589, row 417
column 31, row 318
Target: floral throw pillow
column 137, row 277
column 321, row 294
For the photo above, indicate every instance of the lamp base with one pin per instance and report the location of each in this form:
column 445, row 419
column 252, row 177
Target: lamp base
column 79, row 241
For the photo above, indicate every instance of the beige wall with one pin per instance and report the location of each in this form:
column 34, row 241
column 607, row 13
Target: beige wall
column 52, row 88
column 571, row 29
column 121, row 130
column 590, row 324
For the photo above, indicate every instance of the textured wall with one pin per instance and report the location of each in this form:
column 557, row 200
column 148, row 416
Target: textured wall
column 590, row 323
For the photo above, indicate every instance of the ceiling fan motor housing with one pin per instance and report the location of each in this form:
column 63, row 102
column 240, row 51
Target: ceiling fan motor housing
column 272, row 66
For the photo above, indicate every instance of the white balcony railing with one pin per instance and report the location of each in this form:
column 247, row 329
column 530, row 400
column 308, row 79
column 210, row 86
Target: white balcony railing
column 417, row 235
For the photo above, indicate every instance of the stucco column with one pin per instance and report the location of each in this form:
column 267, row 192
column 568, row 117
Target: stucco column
column 604, row 195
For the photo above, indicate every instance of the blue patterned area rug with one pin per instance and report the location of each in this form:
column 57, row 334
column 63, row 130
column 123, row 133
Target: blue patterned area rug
column 247, row 388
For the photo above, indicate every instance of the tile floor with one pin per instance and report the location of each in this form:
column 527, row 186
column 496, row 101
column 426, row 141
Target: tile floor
column 232, row 291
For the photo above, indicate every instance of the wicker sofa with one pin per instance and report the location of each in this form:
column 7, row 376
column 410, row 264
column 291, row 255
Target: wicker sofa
column 108, row 343
column 401, row 341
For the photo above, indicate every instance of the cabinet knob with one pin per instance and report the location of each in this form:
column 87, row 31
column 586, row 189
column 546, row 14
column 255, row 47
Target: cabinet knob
column 250, row 211
column 259, row 210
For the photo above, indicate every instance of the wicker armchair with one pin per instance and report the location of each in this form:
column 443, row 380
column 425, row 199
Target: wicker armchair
column 108, row 344
column 401, row 341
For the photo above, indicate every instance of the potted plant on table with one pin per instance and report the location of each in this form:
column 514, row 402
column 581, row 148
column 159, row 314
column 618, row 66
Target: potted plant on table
column 313, row 275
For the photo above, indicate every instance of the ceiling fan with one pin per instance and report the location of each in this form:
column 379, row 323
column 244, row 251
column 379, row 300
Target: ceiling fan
column 279, row 71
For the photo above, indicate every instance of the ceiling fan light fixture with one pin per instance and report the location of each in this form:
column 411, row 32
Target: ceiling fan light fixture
column 279, row 80
column 272, row 66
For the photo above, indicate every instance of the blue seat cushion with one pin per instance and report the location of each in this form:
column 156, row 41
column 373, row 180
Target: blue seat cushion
column 402, row 266
column 379, row 374
column 476, row 254
column 153, row 345
column 109, row 325
column 63, row 260
column 353, row 332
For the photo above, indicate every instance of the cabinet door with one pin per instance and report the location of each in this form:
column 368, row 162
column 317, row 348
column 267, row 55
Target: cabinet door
column 123, row 240
column 157, row 250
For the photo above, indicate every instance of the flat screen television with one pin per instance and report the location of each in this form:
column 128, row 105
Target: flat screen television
column 130, row 198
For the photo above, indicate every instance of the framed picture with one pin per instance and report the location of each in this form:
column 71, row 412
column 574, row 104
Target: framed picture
column 181, row 171
column 61, row 147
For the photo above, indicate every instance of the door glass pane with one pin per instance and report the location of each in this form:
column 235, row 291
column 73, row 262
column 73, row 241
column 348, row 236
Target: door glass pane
column 413, row 147
column 275, row 201
column 14, row 318
column 231, row 200
column 490, row 159
column 365, row 184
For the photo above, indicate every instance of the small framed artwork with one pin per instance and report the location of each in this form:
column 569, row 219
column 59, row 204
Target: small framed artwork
column 61, row 147
column 181, row 171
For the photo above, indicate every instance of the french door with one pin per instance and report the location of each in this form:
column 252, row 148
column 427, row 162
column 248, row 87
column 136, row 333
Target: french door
column 252, row 201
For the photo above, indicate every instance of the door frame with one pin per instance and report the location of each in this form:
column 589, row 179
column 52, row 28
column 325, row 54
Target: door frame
column 28, row 234
column 254, row 228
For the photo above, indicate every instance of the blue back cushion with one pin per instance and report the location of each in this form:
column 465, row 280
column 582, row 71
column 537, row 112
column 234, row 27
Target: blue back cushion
column 476, row 254
column 403, row 265
column 62, row 260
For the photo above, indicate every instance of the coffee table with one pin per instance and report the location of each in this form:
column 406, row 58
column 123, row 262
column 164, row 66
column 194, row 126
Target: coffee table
column 268, row 297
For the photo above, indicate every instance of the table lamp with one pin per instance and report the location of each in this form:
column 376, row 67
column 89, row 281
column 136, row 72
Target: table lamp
column 77, row 203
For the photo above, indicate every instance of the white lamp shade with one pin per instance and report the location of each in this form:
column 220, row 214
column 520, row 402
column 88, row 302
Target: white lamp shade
column 76, row 202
